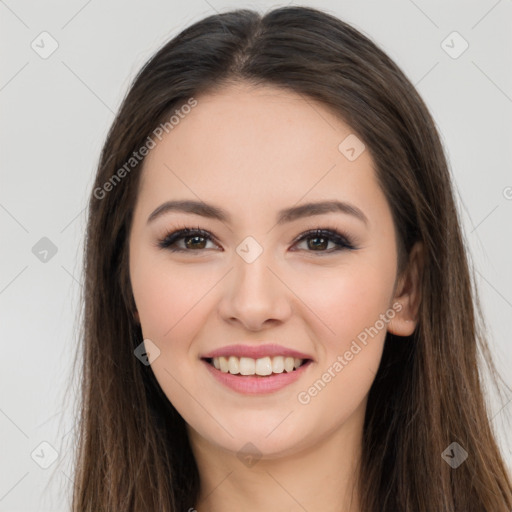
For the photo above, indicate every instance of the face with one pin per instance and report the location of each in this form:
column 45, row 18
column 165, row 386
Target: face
column 251, row 272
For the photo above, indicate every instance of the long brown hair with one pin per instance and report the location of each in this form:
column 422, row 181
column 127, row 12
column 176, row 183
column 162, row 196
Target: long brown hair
column 132, row 451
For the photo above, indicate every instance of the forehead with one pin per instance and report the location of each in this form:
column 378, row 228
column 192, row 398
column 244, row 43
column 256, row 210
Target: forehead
column 257, row 148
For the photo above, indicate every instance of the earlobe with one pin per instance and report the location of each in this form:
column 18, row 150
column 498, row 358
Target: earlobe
column 408, row 294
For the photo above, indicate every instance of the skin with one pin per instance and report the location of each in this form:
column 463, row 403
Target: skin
column 254, row 151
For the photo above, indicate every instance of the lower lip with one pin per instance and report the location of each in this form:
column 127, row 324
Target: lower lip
column 253, row 385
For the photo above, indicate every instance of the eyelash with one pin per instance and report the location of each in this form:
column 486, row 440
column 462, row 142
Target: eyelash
column 332, row 234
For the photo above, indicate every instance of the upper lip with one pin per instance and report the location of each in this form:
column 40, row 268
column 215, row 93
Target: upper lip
column 256, row 351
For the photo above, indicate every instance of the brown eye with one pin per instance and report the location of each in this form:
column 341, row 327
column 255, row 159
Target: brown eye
column 195, row 240
column 318, row 241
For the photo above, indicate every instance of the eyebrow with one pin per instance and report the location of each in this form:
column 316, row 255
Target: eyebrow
column 286, row 215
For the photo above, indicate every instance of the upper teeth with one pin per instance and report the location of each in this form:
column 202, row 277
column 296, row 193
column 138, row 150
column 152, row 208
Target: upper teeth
column 262, row 366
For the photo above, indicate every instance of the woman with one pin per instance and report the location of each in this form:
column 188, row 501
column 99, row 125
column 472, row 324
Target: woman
column 278, row 304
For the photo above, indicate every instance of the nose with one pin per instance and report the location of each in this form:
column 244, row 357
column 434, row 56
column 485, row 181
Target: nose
column 255, row 296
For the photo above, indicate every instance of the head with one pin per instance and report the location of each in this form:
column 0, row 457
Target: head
column 259, row 117
column 270, row 149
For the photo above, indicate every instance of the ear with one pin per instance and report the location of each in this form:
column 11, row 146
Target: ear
column 136, row 316
column 408, row 294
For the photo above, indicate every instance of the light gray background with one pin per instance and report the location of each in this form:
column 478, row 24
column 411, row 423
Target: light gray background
column 55, row 113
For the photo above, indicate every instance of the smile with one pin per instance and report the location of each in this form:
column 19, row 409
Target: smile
column 263, row 366
column 256, row 376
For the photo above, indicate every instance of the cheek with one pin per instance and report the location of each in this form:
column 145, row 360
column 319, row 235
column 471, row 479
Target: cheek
column 352, row 303
column 168, row 299
column 347, row 300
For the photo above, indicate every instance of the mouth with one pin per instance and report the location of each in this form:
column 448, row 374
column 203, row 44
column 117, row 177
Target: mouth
column 263, row 367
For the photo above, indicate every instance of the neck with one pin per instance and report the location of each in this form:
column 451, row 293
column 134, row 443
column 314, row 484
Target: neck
column 321, row 476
